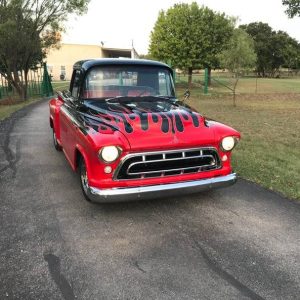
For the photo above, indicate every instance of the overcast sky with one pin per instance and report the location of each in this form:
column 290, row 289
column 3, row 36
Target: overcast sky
column 118, row 22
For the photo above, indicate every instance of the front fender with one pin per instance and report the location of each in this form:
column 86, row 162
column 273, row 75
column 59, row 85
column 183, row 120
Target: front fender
column 54, row 106
column 81, row 153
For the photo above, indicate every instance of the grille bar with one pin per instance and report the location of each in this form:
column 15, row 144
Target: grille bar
column 167, row 163
column 168, row 170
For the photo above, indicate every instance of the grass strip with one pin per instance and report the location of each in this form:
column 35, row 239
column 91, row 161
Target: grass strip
column 7, row 110
column 269, row 152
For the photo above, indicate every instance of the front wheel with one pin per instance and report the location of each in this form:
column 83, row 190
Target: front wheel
column 57, row 146
column 84, row 179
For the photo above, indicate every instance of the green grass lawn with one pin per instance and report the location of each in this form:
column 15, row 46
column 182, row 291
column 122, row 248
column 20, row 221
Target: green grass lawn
column 247, row 84
column 7, row 110
column 264, row 85
column 269, row 151
column 60, row 85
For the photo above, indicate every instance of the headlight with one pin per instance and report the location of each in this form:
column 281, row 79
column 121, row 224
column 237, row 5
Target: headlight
column 228, row 143
column 109, row 153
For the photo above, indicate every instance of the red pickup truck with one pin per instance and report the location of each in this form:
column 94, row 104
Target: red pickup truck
column 122, row 128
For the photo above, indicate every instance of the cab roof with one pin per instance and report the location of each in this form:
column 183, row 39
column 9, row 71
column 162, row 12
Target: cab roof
column 89, row 63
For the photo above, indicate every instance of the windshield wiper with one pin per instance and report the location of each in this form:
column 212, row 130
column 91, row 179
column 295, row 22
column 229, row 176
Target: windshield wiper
column 164, row 97
column 115, row 98
column 127, row 99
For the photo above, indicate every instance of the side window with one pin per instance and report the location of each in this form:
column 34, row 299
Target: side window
column 163, row 85
column 75, row 83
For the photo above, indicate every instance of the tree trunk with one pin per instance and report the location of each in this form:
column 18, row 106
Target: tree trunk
column 209, row 76
column 256, row 83
column 13, row 80
column 25, row 85
column 19, row 86
column 190, row 78
column 234, row 90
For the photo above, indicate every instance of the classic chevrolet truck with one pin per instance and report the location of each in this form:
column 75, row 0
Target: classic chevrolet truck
column 122, row 128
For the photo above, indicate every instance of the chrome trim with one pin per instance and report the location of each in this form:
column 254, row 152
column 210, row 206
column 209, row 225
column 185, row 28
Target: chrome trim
column 164, row 171
column 236, row 140
column 144, row 154
column 120, row 150
column 168, row 159
column 159, row 191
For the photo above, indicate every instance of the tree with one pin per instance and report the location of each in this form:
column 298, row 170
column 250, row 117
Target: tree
column 291, row 52
column 27, row 29
column 261, row 34
column 239, row 56
column 190, row 37
column 285, row 52
column 20, row 47
column 293, row 7
column 273, row 49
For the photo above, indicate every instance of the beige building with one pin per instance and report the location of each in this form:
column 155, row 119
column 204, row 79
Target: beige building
column 60, row 61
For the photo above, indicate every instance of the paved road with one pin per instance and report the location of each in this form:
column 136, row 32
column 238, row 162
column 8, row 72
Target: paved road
column 241, row 242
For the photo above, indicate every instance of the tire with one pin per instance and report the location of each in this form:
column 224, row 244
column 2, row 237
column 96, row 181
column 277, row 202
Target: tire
column 57, row 146
column 83, row 179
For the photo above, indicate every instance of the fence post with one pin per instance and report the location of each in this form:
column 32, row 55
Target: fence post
column 1, row 86
column 206, row 81
column 47, row 89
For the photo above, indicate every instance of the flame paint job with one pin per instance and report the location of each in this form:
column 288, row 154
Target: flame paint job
column 130, row 115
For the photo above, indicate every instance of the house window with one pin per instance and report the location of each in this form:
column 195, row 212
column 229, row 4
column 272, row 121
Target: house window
column 62, row 73
column 50, row 69
column 63, row 70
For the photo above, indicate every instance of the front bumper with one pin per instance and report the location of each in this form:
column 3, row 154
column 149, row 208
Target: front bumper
column 159, row 191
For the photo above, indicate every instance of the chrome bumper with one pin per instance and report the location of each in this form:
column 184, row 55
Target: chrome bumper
column 159, row 191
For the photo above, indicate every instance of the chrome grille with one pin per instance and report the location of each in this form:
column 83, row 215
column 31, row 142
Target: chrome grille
column 167, row 163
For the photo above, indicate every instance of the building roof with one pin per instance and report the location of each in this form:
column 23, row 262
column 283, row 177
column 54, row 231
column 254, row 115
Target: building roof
column 117, row 49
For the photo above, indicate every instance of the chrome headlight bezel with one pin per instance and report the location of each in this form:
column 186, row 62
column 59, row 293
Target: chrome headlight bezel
column 228, row 143
column 109, row 154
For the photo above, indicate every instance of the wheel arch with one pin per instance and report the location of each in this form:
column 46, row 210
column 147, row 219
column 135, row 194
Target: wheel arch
column 51, row 122
column 78, row 156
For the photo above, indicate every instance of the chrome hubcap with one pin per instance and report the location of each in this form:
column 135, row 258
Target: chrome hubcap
column 54, row 138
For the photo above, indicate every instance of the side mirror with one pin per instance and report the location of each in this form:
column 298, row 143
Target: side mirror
column 67, row 94
column 69, row 97
column 60, row 96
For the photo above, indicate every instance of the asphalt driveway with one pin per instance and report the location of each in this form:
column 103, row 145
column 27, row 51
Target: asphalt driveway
column 242, row 242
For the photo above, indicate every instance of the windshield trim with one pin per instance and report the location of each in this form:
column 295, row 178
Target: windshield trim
column 170, row 87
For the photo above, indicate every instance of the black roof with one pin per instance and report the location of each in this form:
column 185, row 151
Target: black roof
column 88, row 63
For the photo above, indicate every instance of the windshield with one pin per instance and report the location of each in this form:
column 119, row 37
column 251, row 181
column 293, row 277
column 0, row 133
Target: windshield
column 128, row 81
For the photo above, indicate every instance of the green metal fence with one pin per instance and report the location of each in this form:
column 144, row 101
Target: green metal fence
column 39, row 84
